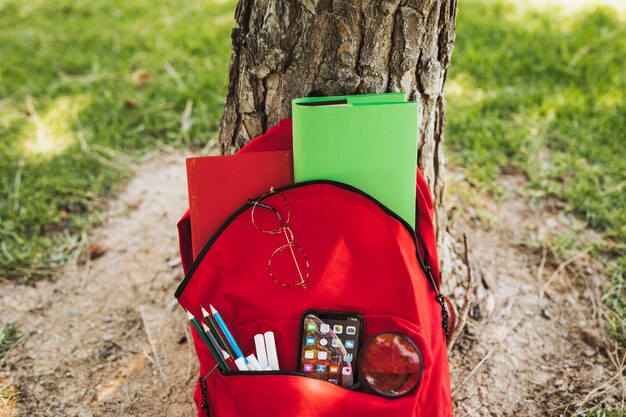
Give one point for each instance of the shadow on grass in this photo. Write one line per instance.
(542, 93)
(85, 88)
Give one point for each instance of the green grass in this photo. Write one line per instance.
(7, 397)
(615, 300)
(536, 92)
(603, 410)
(71, 117)
(542, 93)
(8, 336)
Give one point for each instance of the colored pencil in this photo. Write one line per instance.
(229, 361)
(213, 326)
(217, 355)
(227, 334)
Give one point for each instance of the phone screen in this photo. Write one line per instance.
(330, 342)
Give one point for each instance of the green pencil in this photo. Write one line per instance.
(215, 350)
(213, 326)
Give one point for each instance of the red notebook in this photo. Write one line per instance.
(219, 185)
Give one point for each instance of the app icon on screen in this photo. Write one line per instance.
(325, 328)
(349, 344)
(338, 328)
(333, 369)
(350, 330)
(311, 327)
(310, 341)
(333, 381)
(308, 367)
(347, 357)
(322, 355)
(336, 343)
(309, 354)
(346, 370)
(323, 342)
(320, 368)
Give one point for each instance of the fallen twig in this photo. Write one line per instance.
(151, 342)
(486, 357)
(185, 123)
(620, 367)
(16, 186)
(189, 353)
(471, 411)
(171, 71)
(602, 391)
(81, 247)
(542, 264)
(607, 389)
(469, 291)
(560, 268)
(85, 275)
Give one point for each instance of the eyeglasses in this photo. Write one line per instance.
(389, 365)
(273, 219)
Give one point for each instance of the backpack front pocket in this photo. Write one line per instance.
(289, 393)
(362, 259)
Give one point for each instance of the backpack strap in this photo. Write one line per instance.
(277, 138)
(427, 243)
(184, 241)
(424, 224)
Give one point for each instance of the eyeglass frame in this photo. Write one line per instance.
(286, 230)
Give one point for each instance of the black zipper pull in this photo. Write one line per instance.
(431, 278)
(444, 313)
(205, 396)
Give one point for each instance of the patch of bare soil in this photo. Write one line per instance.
(106, 338)
(534, 343)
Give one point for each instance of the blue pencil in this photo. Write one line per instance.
(229, 336)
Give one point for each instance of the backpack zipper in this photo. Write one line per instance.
(414, 235)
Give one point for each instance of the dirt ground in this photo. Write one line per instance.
(107, 338)
(535, 342)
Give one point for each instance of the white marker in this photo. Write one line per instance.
(261, 354)
(241, 364)
(255, 364)
(270, 347)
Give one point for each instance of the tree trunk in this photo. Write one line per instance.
(282, 50)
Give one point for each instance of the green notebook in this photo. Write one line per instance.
(368, 141)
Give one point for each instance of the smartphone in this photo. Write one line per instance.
(330, 342)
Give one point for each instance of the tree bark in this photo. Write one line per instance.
(286, 49)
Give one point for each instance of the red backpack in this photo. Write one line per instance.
(363, 258)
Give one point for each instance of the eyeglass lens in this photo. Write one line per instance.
(272, 214)
(390, 364)
(288, 265)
